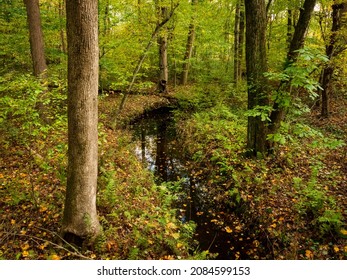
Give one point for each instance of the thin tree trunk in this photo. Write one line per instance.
(237, 42)
(162, 44)
(189, 47)
(289, 27)
(80, 221)
(62, 29)
(239, 30)
(144, 55)
(36, 37)
(241, 39)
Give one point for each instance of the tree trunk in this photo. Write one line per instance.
(289, 27)
(62, 29)
(297, 42)
(332, 50)
(237, 42)
(300, 30)
(189, 47)
(239, 31)
(241, 39)
(80, 221)
(162, 43)
(35, 37)
(139, 64)
(256, 64)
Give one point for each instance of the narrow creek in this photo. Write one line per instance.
(160, 151)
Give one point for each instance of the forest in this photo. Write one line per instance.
(173, 130)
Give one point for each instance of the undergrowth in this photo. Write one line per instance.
(285, 203)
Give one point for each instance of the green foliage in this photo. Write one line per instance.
(260, 111)
(317, 205)
(330, 222)
(297, 76)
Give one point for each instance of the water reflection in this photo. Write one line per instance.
(156, 145)
(160, 152)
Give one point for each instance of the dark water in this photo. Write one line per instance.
(159, 150)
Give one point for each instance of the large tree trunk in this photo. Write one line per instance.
(189, 47)
(35, 37)
(80, 220)
(256, 67)
(332, 50)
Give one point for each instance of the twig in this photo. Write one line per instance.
(77, 254)
(214, 238)
(57, 235)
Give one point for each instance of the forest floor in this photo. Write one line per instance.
(32, 197)
(32, 188)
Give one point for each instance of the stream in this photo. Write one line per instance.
(160, 151)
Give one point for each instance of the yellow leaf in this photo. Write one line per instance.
(343, 232)
(179, 245)
(308, 254)
(25, 253)
(228, 229)
(54, 257)
(171, 226)
(336, 249)
(238, 228)
(13, 221)
(25, 247)
(43, 209)
(168, 257)
(175, 235)
(345, 249)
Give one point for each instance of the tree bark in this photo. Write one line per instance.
(36, 37)
(297, 42)
(241, 39)
(62, 29)
(239, 31)
(256, 64)
(80, 221)
(332, 50)
(237, 42)
(300, 30)
(162, 43)
(189, 47)
(289, 26)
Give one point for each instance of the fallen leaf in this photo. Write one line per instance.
(228, 229)
(309, 254)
